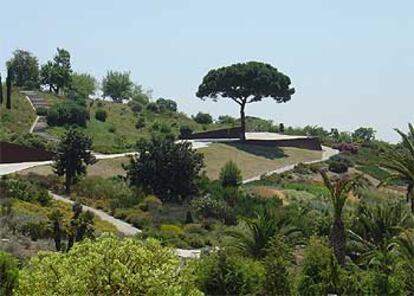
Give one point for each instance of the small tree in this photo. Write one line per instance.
(56, 219)
(83, 85)
(117, 85)
(364, 134)
(165, 168)
(230, 175)
(246, 83)
(57, 74)
(72, 156)
(8, 274)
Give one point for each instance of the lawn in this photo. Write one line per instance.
(17, 120)
(253, 160)
(104, 168)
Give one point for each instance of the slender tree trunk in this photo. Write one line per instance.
(57, 236)
(243, 123)
(8, 92)
(68, 183)
(337, 239)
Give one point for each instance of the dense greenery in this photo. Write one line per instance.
(67, 113)
(8, 274)
(57, 74)
(24, 69)
(165, 168)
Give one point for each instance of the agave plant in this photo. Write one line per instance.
(400, 162)
(339, 190)
(255, 234)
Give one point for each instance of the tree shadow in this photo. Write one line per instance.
(269, 152)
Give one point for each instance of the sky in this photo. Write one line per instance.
(351, 62)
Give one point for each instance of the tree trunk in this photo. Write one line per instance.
(57, 236)
(337, 239)
(243, 123)
(68, 183)
(8, 92)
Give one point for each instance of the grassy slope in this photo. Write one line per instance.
(17, 120)
(118, 133)
(253, 160)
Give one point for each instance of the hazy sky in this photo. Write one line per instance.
(351, 62)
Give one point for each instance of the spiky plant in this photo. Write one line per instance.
(339, 190)
(400, 162)
(254, 236)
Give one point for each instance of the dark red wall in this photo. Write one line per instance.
(10, 153)
(304, 143)
(233, 132)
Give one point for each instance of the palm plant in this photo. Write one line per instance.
(339, 190)
(254, 237)
(400, 162)
(376, 230)
(406, 248)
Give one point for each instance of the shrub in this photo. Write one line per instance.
(203, 118)
(166, 105)
(140, 123)
(230, 175)
(339, 164)
(101, 115)
(185, 132)
(112, 129)
(108, 266)
(8, 274)
(153, 107)
(171, 229)
(208, 207)
(346, 147)
(135, 106)
(153, 203)
(67, 113)
(225, 274)
(41, 111)
(139, 219)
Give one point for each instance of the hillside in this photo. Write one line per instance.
(19, 119)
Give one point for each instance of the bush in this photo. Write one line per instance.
(153, 107)
(203, 118)
(8, 274)
(101, 115)
(208, 207)
(185, 132)
(139, 219)
(339, 164)
(153, 203)
(346, 147)
(112, 129)
(135, 106)
(166, 105)
(225, 274)
(140, 123)
(25, 190)
(171, 229)
(41, 111)
(67, 113)
(230, 175)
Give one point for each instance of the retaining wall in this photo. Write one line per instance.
(11, 153)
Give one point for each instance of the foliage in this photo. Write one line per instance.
(230, 175)
(101, 115)
(166, 105)
(153, 107)
(364, 134)
(83, 85)
(254, 237)
(165, 168)
(140, 123)
(117, 85)
(57, 74)
(24, 69)
(225, 274)
(276, 264)
(73, 154)
(346, 147)
(24, 190)
(8, 274)
(320, 272)
(400, 162)
(339, 164)
(67, 113)
(185, 132)
(203, 118)
(108, 266)
(246, 83)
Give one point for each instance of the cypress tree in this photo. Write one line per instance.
(1, 91)
(8, 92)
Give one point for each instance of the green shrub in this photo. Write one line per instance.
(153, 203)
(8, 274)
(67, 113)
(226, 274)
(339, 164)
(140, 123)
(153, 107)
(112, 129)
(171, 229)
(135, 106)
(230, 175)
(208, 207)
(139, 219)
(101, 115)
(185, 132)
(203, 118)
